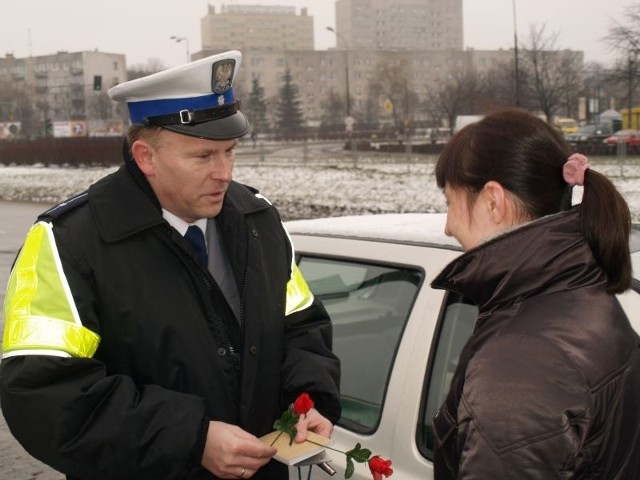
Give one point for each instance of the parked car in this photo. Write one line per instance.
(566, 125)
(397, 338)
(624, 142)
(589, 134)
(630, 137)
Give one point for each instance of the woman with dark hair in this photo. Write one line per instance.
(548, 385)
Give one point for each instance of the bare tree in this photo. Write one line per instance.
(16, 106)
(553, 74)
(390, 84)
(153, 65)
(101, 106)
(333, 111)
(456, 96)
(497, 87)
(624, 40)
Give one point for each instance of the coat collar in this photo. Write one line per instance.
(546, 255)
(124, 204)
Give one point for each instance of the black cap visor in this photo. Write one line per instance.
(232, 126)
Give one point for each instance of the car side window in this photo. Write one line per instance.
(455, 328)
(369, 305)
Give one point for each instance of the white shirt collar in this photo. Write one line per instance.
(180, 225)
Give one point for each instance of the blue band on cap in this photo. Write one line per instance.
(138, 111)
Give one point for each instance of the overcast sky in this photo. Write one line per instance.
(141, 29)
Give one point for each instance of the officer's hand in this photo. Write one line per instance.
(315, 422)
(230, 452)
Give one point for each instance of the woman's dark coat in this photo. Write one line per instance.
(548, 386)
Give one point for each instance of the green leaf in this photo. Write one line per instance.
(350, 468)
(359, 454)
(286, 423)
(362, 456)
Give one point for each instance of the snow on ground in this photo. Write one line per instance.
(320, 186)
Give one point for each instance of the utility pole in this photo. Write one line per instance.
(515, 50)
(346, 67)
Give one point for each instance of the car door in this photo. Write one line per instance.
(398, 341)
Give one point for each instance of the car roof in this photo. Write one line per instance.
(410, 228)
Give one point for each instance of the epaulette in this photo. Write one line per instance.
(63, 207)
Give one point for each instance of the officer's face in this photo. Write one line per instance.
(189, 175)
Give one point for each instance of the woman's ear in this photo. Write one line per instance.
(498, 203)
(143, 154)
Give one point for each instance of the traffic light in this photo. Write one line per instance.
(97, 83)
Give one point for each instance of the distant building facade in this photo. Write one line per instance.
(399, 24)
(421, 39)
(321, 73)
(67, 88)
(257, 26)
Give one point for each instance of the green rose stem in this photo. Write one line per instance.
(276, 439)
(359, 454)
(286, 424)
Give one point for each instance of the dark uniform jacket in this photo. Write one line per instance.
(172, 356)
(548, 386)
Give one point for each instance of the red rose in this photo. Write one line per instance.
(380, 467)
(302, 404)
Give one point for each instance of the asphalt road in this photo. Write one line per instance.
(15, 220)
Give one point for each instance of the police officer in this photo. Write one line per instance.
(157, 323)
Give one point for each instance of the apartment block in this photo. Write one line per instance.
(257, 26)
(399, 24)
(61, 87)
(350, 74)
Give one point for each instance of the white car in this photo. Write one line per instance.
(397, 338)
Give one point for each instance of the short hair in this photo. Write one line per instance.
(146, 133)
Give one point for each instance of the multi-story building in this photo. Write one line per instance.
(383, 63)
(419, 39)
(61, 87)
(399, 24)
(257, 26)
(319, 74)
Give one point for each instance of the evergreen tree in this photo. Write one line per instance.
(256, 108)
(289, 116)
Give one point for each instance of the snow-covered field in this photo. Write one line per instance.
(319, 185)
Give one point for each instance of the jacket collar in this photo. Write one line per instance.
(124, 204)
(543, 256)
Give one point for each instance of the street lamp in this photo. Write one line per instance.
(515, 50)
(346, 67)
(186, 41)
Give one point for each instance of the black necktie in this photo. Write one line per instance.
(196, 238)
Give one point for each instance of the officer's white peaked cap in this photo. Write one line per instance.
(194, 99)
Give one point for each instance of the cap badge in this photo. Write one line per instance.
(222, 75)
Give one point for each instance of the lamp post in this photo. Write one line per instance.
(515, 50)
(186, 41)
(346, 67)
